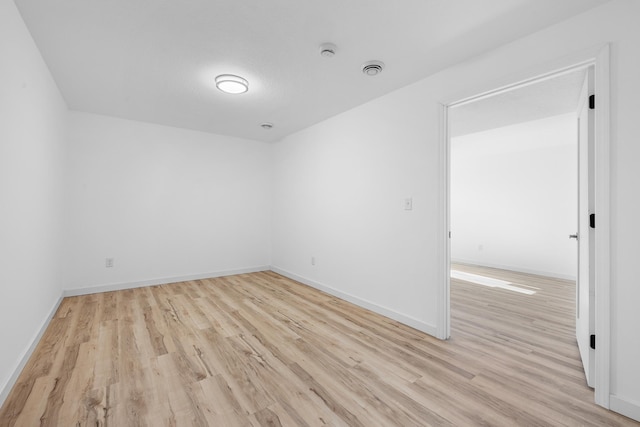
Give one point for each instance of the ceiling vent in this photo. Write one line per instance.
(372, 68)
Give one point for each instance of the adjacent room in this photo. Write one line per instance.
(218, 213)
(514, 190)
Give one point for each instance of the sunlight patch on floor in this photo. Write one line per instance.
(490, 282)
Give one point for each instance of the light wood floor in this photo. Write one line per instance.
(262, 350)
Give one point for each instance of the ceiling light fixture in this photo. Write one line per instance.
(372, 68)
(228, 83)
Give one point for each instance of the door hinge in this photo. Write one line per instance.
(592, 102)
(592, 344)
(592, 220)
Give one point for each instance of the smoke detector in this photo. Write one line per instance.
(328, 50)
(372, 68)
(266, 126)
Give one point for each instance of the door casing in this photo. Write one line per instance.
(599, 58)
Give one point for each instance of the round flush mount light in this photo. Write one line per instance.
(372, 68)
(229, 83)
(266, 126)
(328, 50)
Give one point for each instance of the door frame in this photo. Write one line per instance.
(600, 59)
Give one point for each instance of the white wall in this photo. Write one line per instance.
(165, 203)
(339, 197)
(514, 197)
(32, 127)
(339, 185)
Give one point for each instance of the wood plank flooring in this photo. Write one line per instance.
(262, 350)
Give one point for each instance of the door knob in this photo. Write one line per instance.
(573, 236)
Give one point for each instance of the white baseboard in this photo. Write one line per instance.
(402, 318)
(624, 407)
(512, 268)
(10, 382)
(158, 281)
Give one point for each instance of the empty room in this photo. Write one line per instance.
(220, 213)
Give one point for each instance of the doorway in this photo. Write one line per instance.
(514, 203)
(600, 153)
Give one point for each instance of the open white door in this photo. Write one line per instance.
(585, 284)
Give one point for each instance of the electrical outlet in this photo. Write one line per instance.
(108, 262)
(408, 203)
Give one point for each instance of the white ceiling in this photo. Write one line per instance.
(156, 60)
(550, 97)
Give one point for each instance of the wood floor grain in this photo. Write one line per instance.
(262, 350)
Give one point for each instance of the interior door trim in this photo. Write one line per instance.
(600, 59)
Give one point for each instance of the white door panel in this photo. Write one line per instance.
(585, 294)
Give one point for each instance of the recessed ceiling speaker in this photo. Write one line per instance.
(372, 68)
(328, 50)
